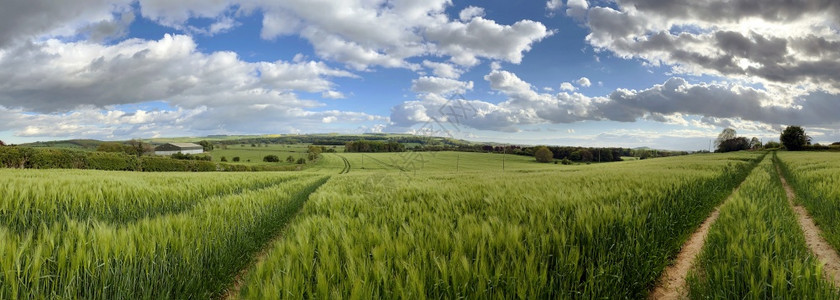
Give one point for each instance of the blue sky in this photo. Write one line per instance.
(630, 73)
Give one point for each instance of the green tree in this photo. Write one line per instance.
(236, 158)
(725, 135)
(543, 154)
(314, 152)
(224, 159)
(301, 161)
(290, 159)
(206, 145)
(794, 138)
(271, 158)
(139, 147)
(2, 144)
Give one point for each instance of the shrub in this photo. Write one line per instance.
(236, 158)
(224, 159)
(301, 161)
(543, 155)
(271, 158)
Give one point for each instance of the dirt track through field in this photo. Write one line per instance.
(813, 236)
(232, 292)
(672, 284)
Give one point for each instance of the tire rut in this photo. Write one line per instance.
(672, 283)
(232, 291)
(824, 252)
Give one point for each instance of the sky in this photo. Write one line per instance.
(629, 73)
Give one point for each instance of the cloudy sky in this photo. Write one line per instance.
(659, 73)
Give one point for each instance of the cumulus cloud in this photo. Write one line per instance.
(577, 9)
(781, 44)
(583, 82)
(108, 29)
(21, 20)
(55, 76)
(83, 82)
(470, 12)
(332, 95)
(443, 69)
(567, 86)
(553, 5)
(440, 86)
(370, 33)
(675, 102)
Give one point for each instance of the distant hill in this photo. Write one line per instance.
(81, 144)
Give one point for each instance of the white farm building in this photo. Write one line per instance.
(183, 148)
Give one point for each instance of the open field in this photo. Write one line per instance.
(418, 225)
(254, 155)
(606, 231)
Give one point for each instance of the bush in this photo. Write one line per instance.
(271, 158)
(224, 159)
(301, 161)
(236, 158)
(543, 155)
(290, 159)
(566, 161)
(188, 156)
(113, 161)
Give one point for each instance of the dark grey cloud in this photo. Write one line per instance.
(20, 20)
(734, 11)
(793, 44)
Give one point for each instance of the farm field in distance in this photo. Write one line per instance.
(420, 225)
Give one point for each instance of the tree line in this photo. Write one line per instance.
(373, 146)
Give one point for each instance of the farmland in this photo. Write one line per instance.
(419, 225)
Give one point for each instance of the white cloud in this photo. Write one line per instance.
(440, 86)
(566, 86)
(577, 9)
(362, 34)
(553, 5)
(465, 42)
(583, 82)
(80, 83)
(443, 69)
(332, 95)
(675, 102)
(135, 71)
(471, 12)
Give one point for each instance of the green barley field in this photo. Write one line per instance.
(416, 225)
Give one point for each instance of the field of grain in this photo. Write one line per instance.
(422, 225)
(111, 235)
(590, 231)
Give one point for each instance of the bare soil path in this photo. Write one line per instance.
(672, 284)
(813, 236)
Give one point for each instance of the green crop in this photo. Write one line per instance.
(815, 177)
(756, 249)
(188, 252)
(600, 231)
